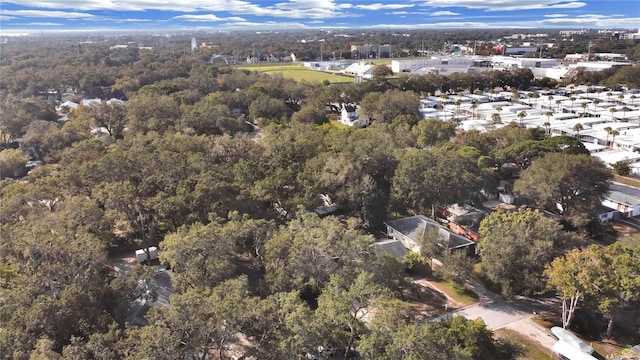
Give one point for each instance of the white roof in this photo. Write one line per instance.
(612, 157)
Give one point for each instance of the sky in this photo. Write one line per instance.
(23, 16)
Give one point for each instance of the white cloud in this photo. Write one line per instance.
(298, 9)
(379, 6)
(47, 14)
(133, 20)
(444, 13)
(206, 17)
(43, 24)
(507, 5)
(555, 15)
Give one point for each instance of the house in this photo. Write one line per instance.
(410, 230)
(350, 116)
(623, 199)
(465, 221)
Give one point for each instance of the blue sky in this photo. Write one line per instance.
(19, 16)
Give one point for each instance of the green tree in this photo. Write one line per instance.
(515, 247)
(572, 276)
(574, 184)
(456, 266)
(12, 163)
(305, 253)
(200, 256)
(622, 167)
(431, 132)
(430, 180)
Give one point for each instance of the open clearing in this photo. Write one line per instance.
(297, 72)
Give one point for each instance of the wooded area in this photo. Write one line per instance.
(221, 168)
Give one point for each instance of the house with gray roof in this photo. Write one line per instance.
(409, 232)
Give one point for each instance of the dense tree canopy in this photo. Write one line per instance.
(515, 247)
(574, 184)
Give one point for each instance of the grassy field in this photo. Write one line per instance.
(297, 72)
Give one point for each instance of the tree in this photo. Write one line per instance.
(474, 106)
(521, 116)
(200, 255)
(305, 253)
(584, 109)
(573, 276)
(387, 106)
(451, 338)
(612, 110)
(110, 116)
(343, 306)
(608, 129)
(622, 167)
(151, 112)
(573, 184)
(577, 127)
(614, 133)
(515, 247)
(12, 163)
(430, 180)
(311, 115)
(605, 277)
(624, 112)
(456, 266)
(431, 132)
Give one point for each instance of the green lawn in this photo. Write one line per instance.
(297, 72)
(458, 292)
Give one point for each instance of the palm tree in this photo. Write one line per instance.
(624, 111)
(577, 127)
(598, 92)
(474, 106)
(620, 98)
(609, 94)
(608, 130)
(572, 100)
(584, 108)
(595, 104)
(550, 98)
(612, 110)
(548, 114)
(633, 99)
(495, 118)
(546, 126)
(522, 115)
(536, 96)
(558, 102)
(457, 104)
(614, 133)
